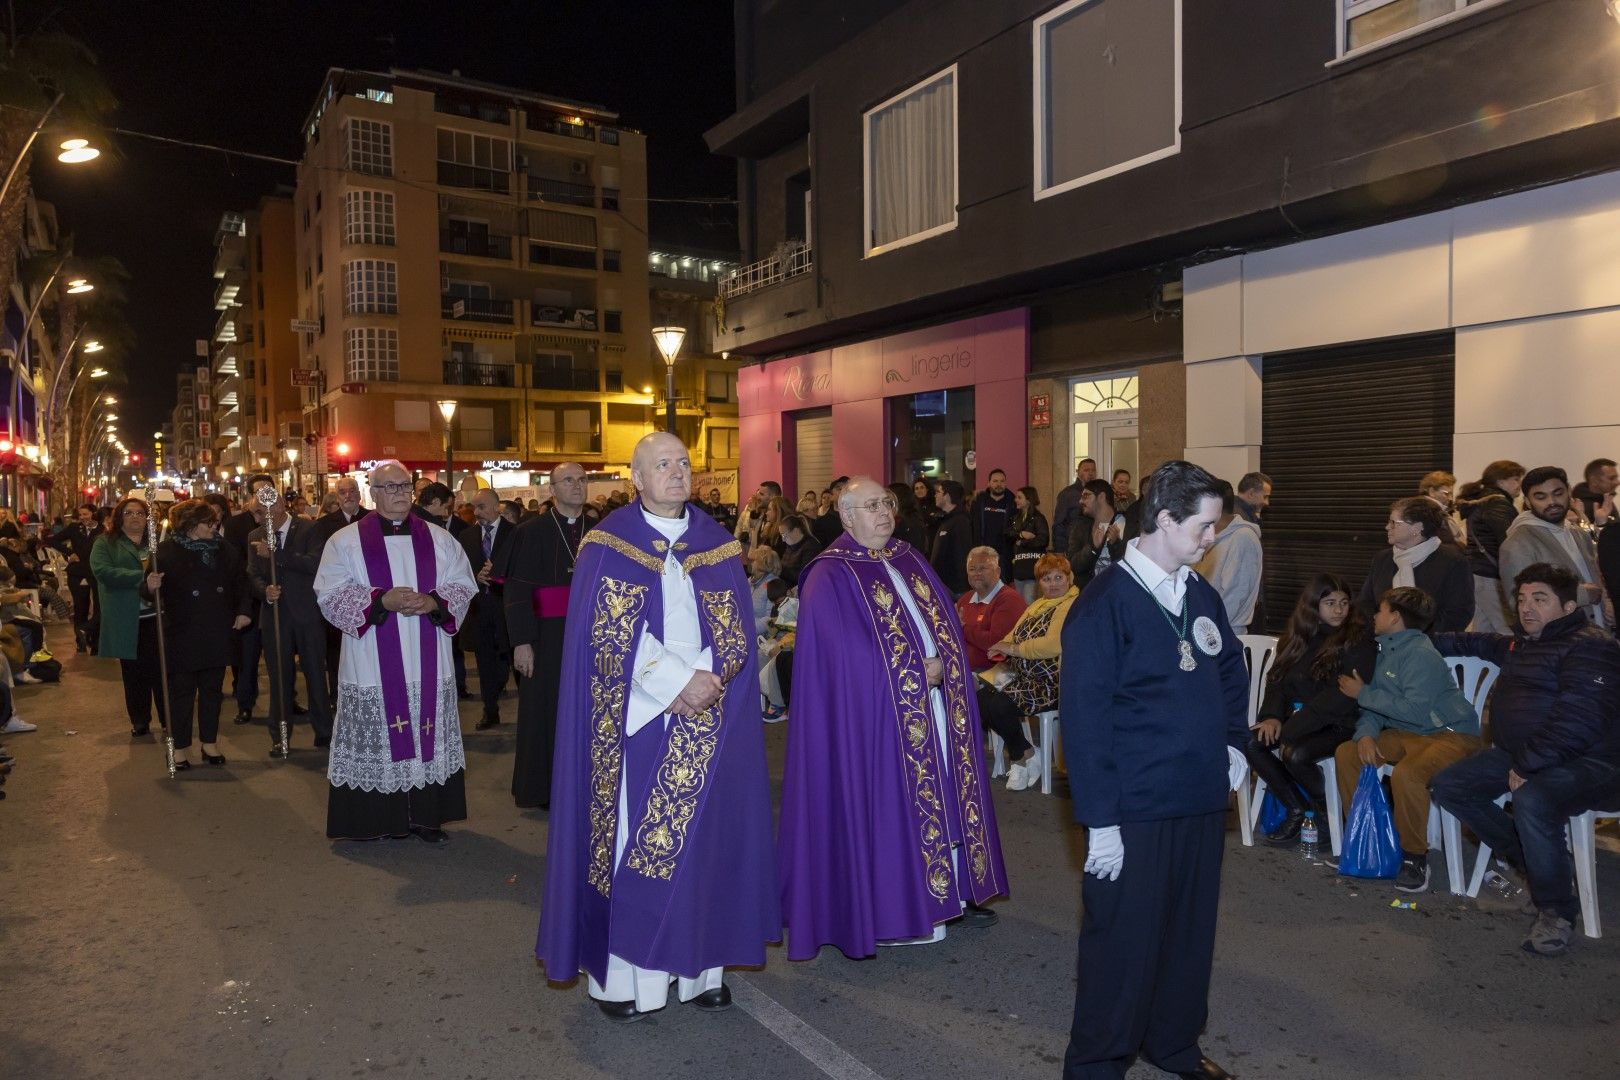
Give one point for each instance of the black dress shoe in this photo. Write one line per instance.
(463, 694)
(322, 741)
(140, 732)
(1207, 1070)
(430, 836)
(182, 766)
(979, 917)
(487, 722)
(1286, 834)
(620, 1012)
(299, 710)
(244, 716)
(716, 1000)
(277, 750)
(213, 759)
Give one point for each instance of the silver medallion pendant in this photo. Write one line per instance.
(1187, 661)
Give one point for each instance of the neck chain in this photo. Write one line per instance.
(1183, 642)
(569, 548)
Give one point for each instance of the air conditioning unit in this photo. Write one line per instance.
(579, 168)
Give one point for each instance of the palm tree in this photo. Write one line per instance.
(40, 71)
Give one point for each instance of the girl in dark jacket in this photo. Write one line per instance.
(1027, 537)
(922, 492)
(205, 597)
(1303, 716)
(1487, 511)
(909, 523)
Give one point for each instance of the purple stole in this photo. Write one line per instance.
(390, 658)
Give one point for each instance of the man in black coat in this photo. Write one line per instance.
(953, 537)
(301, 624)
(483, 631)
(993, 511)
(830, 526)
(1555, 729)
(349, 511)
(249, 642)
(74, 541)
(433, 505)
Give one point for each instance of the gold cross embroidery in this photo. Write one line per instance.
(427, 726)
(399, 724)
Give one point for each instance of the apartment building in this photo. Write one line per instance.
(467, 242)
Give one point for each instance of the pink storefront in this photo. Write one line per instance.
(947, 401)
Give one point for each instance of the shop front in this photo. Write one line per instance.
(946, 401)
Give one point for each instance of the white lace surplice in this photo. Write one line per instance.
(360, 756)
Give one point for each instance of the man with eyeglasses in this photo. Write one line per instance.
(397, 588)
(658, 856)
(887, 831)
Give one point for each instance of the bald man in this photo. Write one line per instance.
(484, 634)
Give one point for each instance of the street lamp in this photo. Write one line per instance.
(668, 339)
(79, 151)
(447, 409)
(292, 458)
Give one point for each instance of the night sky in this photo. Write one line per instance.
(245, 75)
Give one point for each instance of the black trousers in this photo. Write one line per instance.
(143, 686)
(1001, 714)
(83, 592)
(494, 666)
(202, 689)
(1147, 942)
(1295, 763)
(245, 672)
(308, 639)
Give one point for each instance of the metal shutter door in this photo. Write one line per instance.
(1345, 432)
(812, 446)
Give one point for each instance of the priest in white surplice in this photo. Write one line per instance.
(397, 588)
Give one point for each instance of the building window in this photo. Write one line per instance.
(371, 354)
(1104, 395)
(368, 217)
(258, 254)
(320, 261)
(369, 147)
(565, 431)
(371, 287)
(910, 164)
(613, 322)
(720, 386)
(1107, 89)
(474, 161)
(1367, 22)
(724, 444)
(258, 295)
(563, 371)
(610, 260)
(484, 427)
(317, 202)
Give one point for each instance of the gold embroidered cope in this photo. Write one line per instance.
(614, 612)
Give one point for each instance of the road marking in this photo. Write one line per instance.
(816, 1048)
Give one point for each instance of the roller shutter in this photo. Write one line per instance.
(812, 445)
(1346, 431)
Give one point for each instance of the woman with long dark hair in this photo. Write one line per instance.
(118, 560)
(1027, 537)
(909, 523)
(922, 489)
(1303, 716)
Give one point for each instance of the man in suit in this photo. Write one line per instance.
(249, 642)
(74, 542)
(349, 511)
(483, 541)
(301, 624)
(433, 506)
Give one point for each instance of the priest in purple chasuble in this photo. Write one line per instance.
(397, 588)
(659, 864)
(887, 830)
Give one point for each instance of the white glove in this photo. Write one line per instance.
(1237, 767)
(1105, 852)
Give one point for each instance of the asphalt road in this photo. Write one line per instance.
(205, 927)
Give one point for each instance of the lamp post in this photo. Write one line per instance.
(292, 458)
(447, 409)
(74, 151)
(668, 339)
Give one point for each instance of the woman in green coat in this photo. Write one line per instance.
(129, 623)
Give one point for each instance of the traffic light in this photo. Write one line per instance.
(135, 459)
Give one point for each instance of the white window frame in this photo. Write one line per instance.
(369, 217)
(371, 287)
(956, 163)
(1350, 9)
(377, 156)
(371, 354)
(473, 138)
(1038, 112)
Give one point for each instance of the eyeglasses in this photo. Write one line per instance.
(1392, 522)
(877, 505)
(392, 489)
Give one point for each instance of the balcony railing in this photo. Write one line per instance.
(561, 191)
(573, 318)
(482, 245)
(556, 126)
(478, 373)
(476, 309)
(785, 262)
(452, 174)
(557, 255)
(559, 378)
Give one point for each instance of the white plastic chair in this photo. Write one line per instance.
(1582, 833)
(1050, 733)
(1259, 650)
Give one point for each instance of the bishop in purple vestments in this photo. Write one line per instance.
(659, 865)
(887, 830)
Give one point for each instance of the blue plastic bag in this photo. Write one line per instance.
(1272, 813)
(1371, 848)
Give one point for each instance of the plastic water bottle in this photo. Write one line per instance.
(1309, 841)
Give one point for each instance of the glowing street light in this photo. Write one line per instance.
(93, 346)
(79, 286)
(77, 151)
(447, 409)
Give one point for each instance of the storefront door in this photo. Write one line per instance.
(933, 434)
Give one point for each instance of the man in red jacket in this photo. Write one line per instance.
(989, 609)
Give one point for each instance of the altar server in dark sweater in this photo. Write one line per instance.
(1154, 710)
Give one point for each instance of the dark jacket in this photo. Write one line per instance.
(953, 539)
(1557, 697)
(827, 528)
(1065, 516)
(1026, 553)
(1608, 552)
(296, 564)
(1488, 518)
(77, 540)
(912, 527)
(796, 557)
(486, 611)
(991, 516)
(200, 603)
(1321, 703)
(1445, 576)
(327, 525)
(1083, 553)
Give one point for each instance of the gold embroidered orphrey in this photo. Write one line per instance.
(688, 752)
(909, 691)
(731, 549)
(964, 739)
(614, 612)
(623, 547)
